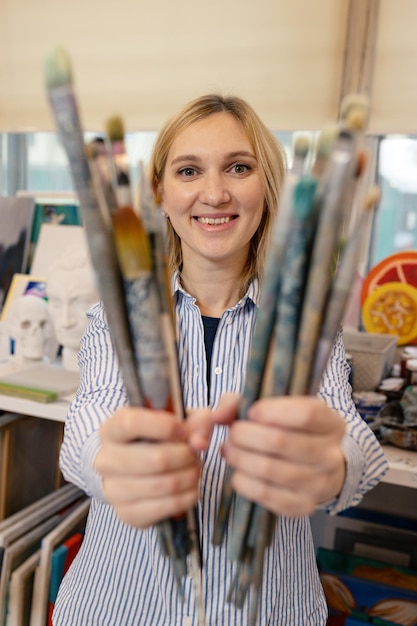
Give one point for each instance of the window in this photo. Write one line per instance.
(395, 223)
(37, 162)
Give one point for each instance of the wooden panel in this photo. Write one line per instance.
(144, 59)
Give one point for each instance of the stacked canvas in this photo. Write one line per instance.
(29, 575)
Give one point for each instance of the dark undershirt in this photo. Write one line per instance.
(210, 327)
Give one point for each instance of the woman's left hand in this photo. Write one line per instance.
(287, 455)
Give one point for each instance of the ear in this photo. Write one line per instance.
(157, 191)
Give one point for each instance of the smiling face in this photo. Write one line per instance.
(211, 191)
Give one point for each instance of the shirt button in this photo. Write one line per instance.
(229, 321)
(218, 370)
(187, 621)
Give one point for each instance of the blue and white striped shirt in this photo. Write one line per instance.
(120, 577)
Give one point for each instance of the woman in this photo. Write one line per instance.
(217, 171)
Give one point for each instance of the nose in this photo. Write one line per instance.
(215, 190)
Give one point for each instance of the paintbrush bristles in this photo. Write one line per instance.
(301, 149)
(115, 129)
(119, 160)
(132, 244)
(57, 69)
(354, 112)
(301, 145)
(324, 146)
(325, 141)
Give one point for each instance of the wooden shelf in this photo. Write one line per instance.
(56, 411)
(57, 379)
(403, 467)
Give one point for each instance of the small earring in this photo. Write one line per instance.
(164, 213)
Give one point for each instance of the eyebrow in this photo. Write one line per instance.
(229, 155)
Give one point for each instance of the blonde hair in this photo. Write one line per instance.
(271, 161)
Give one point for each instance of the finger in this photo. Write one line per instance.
(281, 501)
(200, 422)
(199, 425)
(227, 409)
(130, 424)
(296, 446)
(128, 490)
(281, 472)
(142, 458)
(143, 514)
(309, 414)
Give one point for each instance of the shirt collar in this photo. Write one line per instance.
(251, 294)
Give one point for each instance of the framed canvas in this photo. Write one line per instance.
(50, 208)
(21, 522)
(21, 591)
(66, 528)
(16, 220)
(27, 544)
(20, 285)
(53, 240)
(16, 553)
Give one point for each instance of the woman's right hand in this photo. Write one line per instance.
(149, 471)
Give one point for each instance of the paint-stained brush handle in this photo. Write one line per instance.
(58, 76)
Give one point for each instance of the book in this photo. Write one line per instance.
(42, 382)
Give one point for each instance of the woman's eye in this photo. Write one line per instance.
(240, 168)
(187, 172)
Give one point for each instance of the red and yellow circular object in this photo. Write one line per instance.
(400, 267)
(391, 308)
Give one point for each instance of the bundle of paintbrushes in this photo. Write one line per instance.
(129, 263)
(308, 278)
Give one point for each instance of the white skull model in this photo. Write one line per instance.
(30, 327)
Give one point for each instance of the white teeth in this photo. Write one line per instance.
(213, 221)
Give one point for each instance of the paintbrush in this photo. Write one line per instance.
(143, 306)
(296, 260)
(58, 77)
(119, 160)
(136, 263)
(257, 370)
(289, 249)
(323, 150)
(340, 291)
(343, 169)
(247, 542)
(88, 184)
(141, 251)
(98, 160)
(152, 218)
(263, 333)
(252, 525)
(245, 512)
